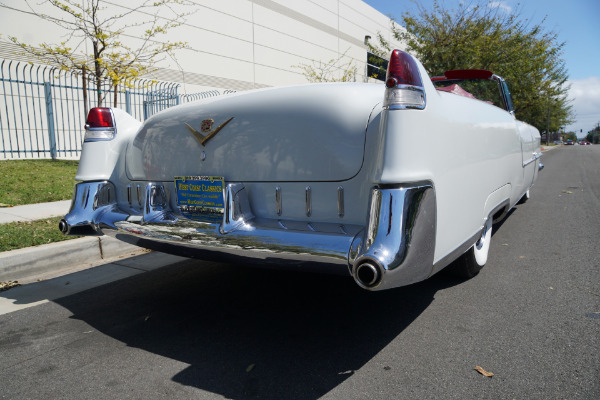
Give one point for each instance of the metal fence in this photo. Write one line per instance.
(158, 100)
(42, 109)
(161, 99)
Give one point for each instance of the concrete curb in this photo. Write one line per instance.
(549, 148)
(39, 260)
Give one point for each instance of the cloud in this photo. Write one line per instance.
(585, 96)
(501, 5)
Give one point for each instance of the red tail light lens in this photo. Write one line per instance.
(100, 117)
(100, 125)
(402, 70)
(403, 81)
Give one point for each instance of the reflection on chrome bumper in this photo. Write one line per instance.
(394, 248)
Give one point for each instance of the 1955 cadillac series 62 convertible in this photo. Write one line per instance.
(388, 184)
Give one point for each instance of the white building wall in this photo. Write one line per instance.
(234, 44)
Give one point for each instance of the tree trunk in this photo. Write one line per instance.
(115, 94)
(98, 73)
(99, 91)
(84, 88)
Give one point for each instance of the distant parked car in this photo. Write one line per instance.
(558, 142)
(584, 143)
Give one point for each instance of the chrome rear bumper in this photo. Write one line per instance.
(394, 248)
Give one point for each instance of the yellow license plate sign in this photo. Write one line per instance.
(201, 197)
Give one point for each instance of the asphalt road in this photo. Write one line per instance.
(207, 330)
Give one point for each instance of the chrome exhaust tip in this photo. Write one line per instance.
(77, 230)
(63, 226)
(367, 274)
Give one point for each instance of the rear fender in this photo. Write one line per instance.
(497, 204)
(100, 158)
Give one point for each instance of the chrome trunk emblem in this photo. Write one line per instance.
(205, 127)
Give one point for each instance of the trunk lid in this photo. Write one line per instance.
(300, 133)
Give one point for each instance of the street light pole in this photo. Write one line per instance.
(548, 126)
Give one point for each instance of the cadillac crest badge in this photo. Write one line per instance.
(206, 127)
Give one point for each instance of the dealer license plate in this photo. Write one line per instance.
(201, 197)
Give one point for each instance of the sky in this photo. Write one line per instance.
(577, 24)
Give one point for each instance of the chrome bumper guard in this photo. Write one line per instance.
(395, 249)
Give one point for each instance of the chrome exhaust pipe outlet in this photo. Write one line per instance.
(367, 274)
(63, 226)
(85, 229)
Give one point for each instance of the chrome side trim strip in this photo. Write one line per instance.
(340, 201)
(129, 195)
(535, 156)
(526, 163)
(278, 209)
(308, 195)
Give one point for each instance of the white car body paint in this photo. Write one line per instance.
(317, 140)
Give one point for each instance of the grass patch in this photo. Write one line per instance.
(18, 235)
(36, 181)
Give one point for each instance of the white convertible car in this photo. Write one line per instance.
(388, 184)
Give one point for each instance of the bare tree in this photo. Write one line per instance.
(89, 22)
(334, 70)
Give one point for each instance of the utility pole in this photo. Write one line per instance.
(548, 126)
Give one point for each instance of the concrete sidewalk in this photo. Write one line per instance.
(32, 212)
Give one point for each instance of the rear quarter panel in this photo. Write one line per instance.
(469, 149)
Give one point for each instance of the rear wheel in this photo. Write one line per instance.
(469, 264)
(524, 199)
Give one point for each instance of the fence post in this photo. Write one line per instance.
(146, 106)
(128, 102)
(50, 118)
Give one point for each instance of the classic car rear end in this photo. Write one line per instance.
(355, 179)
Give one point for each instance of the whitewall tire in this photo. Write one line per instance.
(469, 264)
(524, 199)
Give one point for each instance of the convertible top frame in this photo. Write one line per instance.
(455, 76)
